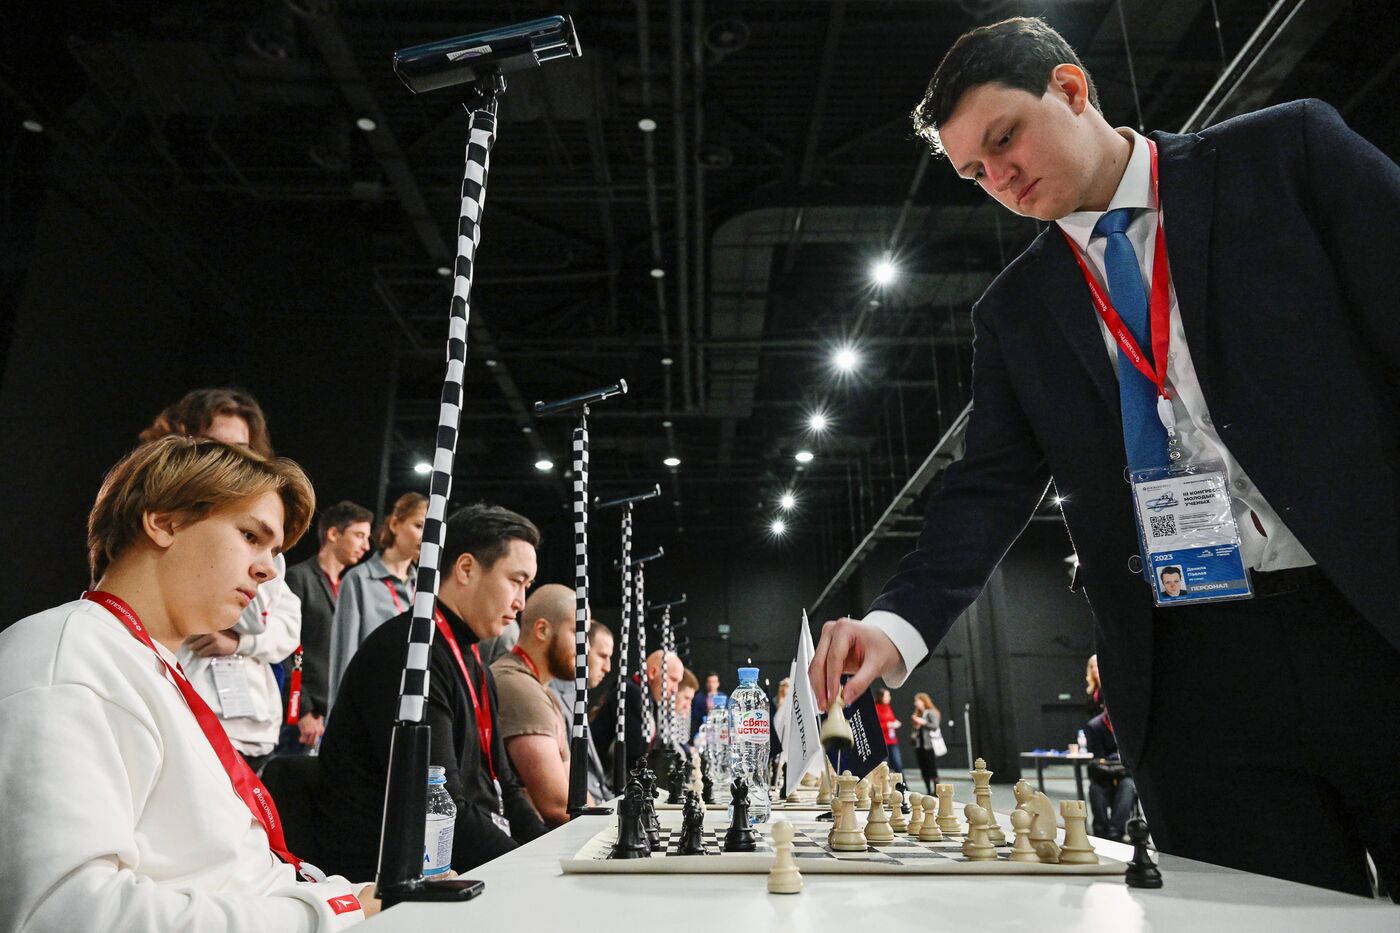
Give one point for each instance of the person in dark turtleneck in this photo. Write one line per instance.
(488, 563)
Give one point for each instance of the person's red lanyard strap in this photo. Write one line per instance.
(245, 782)
(334, 584)
(294, 689)
(480, 707)
(515, 650)
(1159, 306)
(394, 594)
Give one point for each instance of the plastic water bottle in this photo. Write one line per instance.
(442, 822)
(717, 744)
(1083, 743)
(748, 740)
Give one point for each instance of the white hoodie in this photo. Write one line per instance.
(117, 813)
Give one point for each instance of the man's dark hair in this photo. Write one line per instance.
(1166, 570)
(597, 628)
(341, 516)
(1019, 53)
(485, 532)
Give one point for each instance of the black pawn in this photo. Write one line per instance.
(1141, 873)
(675, 778)
(904, 806)
(631, 835)
(740, 837)
(707, 787)
(692, 840)
(650, 821)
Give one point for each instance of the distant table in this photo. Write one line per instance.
(1060, 758)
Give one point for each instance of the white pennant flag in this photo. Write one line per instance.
(802, 744)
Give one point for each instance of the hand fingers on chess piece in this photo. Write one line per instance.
(848, 646)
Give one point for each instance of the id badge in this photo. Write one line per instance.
(499, 817)
(1190, 541)
(231, 683)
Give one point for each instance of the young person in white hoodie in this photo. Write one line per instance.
(126, 806)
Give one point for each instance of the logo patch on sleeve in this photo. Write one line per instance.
(344, 904)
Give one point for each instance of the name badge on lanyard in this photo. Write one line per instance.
(1186, 529)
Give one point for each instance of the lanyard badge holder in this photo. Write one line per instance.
(1187, 533)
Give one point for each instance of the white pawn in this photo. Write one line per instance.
(916, 815)
(1022, 850)
(976, 846)
(929, 830)
(877, 827)
(1076, 849)
(863, 793)
(783, 878)
(898, 822)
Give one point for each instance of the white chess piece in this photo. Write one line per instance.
(824, 788)
(845, 834)
(916, 814)
(1076, 849)
(947, 819)
(898, 822)
(982, 796)
(975, 846)
(863, 793)
(928, 830)
(1021, 849)
(877, 828)
(784, 878)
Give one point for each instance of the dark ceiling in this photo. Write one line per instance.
(780, 168)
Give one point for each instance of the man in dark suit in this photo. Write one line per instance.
(345, 530)
(1283, 363)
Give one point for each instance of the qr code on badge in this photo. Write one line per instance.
(1163, 526)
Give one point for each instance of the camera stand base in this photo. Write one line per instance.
(449, 889)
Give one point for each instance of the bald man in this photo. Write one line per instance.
(531, 725)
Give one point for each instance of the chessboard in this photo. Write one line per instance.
(903, 856)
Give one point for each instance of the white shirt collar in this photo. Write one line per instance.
(1134, 190)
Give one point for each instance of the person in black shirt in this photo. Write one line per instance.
(488, 564)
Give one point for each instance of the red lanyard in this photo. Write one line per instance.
(335, 584)
(482, 708)
(294, 690)
(1160, 305)
(515, 649)
(245, 782)
(394, 594)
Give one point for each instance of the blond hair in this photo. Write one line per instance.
(193, 479)
(405, 507)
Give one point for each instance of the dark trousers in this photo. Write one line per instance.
(1273, 742)
(928, 766)
(1112, 805)
(895, 759)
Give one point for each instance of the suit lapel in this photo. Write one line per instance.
(1187, 175)
(1068, 302)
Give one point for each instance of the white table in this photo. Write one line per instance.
(526, 892)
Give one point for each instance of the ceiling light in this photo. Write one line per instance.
(778, 527)
(666, 361)
(884, 272)
(543, 465)
(366, 124)
(646, 125)
(33, 126)
(672, 462)
(491, 364)
(527, 430)
(657, 272)
(666, 424)
(1058, 500)
(787, 502)
(817, 421)
(845, 359)
(422, 466)
(444, 271)
(803, 456)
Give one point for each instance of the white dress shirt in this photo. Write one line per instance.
(1265, 542)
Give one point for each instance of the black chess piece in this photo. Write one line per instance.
(692, 840)
(707, 787)
(1142, 872)
(675, 777)
(631, 833)
(740, 837)
(650, 822)
(904, 806)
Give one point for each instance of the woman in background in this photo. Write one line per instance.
(927, 724)
(889, 725)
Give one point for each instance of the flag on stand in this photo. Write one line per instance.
(802, 745)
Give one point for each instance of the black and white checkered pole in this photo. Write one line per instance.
(668, 706)
(405, 801)
(625, 565)
(578, 748)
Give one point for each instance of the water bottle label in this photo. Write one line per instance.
(753, 727)
(437, 846)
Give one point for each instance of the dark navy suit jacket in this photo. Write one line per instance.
(1283, 237)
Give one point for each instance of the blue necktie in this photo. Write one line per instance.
(1144, 437)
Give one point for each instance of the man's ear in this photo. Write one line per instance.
(1072, 85)
(463, 568)
(160, 528)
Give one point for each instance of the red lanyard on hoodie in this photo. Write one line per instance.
(245, 782)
